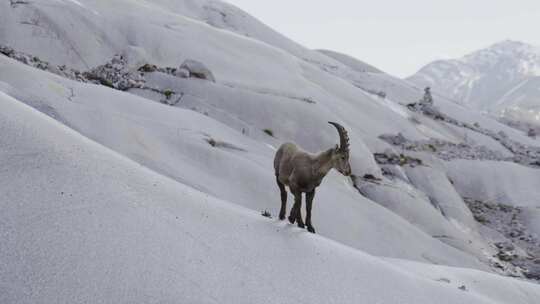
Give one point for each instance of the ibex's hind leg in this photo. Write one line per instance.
(283, 209)
(296, 211)
(309, 204)
(292, 215)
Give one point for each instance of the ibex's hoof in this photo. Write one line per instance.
(282, 217)
(292, 219)
(311, 229)
(301, 225)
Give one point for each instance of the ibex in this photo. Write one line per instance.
(303, 172)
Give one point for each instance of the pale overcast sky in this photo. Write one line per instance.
(400, 36)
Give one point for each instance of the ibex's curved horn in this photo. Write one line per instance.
(343, 136)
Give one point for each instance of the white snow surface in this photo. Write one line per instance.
(501, 182)
(93, 226)
(113, 197)
(351, 62)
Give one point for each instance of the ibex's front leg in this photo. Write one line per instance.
(283, 209)
(309, 204)
(296, 211)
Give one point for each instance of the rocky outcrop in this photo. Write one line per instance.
(37, 63)
(116, 74)
(389, 158)
(196, 69)
(445, 150)
(523, 154)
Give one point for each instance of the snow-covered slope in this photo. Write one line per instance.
(173, 142)
(93, 226)
(355, 64)
(501, 77)
(212, 141)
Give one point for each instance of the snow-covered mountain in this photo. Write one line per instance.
(502, 79)
(126, 178)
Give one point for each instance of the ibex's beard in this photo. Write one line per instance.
(346, 172)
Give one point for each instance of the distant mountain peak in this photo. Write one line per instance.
(513, 49)
(509, 43)
(485, 78)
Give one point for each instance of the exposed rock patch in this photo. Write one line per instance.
(37, 63)
(522, 248)
(523, 154)
(225, 145)
(117, 74)
(445, 150)
(389, 158)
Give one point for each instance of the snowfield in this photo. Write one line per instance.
(154, 194)
(93, 226)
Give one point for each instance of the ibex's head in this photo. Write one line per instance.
(341, 153)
